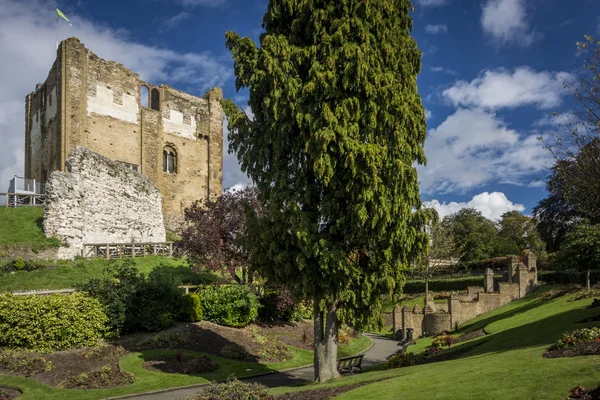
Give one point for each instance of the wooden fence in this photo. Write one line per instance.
(128, 250)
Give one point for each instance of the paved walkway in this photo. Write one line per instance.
(378, 353)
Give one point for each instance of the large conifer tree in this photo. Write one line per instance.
(337, 130)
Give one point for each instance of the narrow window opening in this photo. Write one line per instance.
(155, 99)
(169, 161)
(144, 96)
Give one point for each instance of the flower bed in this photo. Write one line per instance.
(585, 341)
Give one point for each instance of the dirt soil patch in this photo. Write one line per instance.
(323, 394)
(264, 342)
(471, 335)
(181, 364)
(92, 367)
(578, 349)
(8, 394)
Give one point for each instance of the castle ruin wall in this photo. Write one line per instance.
(101, 201)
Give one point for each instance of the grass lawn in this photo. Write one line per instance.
(23, 227)
(507, 364)
(68, 274)
(146, 380)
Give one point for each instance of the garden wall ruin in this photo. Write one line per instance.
(518, 279)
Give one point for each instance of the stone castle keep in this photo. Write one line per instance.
(173, 139)
(518, 280)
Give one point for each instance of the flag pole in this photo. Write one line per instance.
(56, 31)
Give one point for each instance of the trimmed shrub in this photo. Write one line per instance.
(401, 360)
(442, 285)
(53, 322)
(568, 276)
(230, 305)
(235, 389)
(192, 309)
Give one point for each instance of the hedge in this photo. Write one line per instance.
(53, 322)
(567, 277)
(443, 285)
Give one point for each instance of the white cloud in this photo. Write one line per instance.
(472, 148)
(501, 88)
(172, 22)
(431, 3)
(27, 39)
(444, 70)
(556, 120)
(435, 29)
(428, 114)
(506, 21)
(492, 205)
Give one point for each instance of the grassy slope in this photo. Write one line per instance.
(68, 274)
(150, 380)
(507, 365)
(22, 227)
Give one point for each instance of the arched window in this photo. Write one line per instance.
(144, 96)
(155, 99)
(169, 160)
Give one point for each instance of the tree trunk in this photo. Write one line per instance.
(588, 280)
(325, 343)
(427, 280)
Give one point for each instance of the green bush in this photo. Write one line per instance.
(192, 309)
(234, 351)
(401, 360)
(133, 301)
(234, 389)
(52, 322)
(116, 291)
(230, 305)
(158, 302)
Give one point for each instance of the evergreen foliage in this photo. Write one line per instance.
(337, 131)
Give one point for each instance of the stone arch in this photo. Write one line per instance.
(170, 160)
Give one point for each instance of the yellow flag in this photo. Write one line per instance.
(63, 16)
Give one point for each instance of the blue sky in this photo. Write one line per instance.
(493, 73)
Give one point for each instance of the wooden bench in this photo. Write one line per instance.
(350, 363)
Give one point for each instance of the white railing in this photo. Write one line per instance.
(25, 186)
(126, 250)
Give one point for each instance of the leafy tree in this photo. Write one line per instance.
(581, 248)
(444, 249)
(555, 216)
(516, 233)
(474, 231)
(213, 237)
(576, 146)
(338, 128)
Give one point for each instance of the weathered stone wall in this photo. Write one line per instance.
(518, 281)
(436, 322)
(101, 201)
(97, 104)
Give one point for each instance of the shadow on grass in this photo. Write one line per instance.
(544, 332)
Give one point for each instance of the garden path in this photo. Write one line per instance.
(378, 353)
